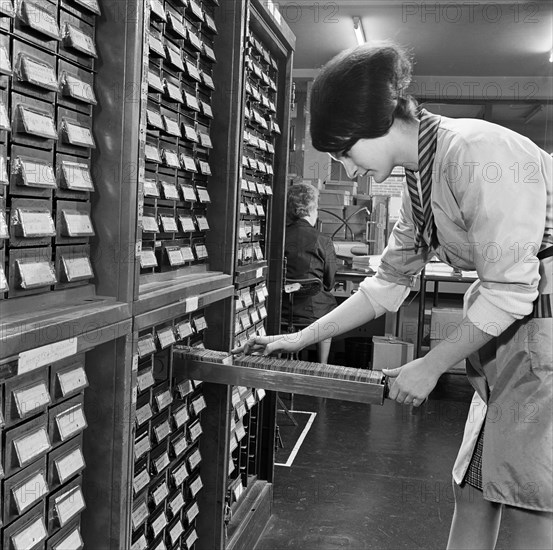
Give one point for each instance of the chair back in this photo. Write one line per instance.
(303, 287)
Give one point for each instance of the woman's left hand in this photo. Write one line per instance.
(412, 383)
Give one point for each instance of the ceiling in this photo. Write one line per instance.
(472, 58)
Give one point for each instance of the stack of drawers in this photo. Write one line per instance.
(167, 455)
(43, 422)
(177, 118)
(47, 62)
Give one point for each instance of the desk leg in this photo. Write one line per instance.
(422, 304)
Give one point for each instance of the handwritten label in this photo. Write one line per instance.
(179, 445)
(71, 421)
(139, 515)
(37, 73)
(195, 431)
(162, 431)
(80, 41)
(203, 225)
(208, 50)
(5, 65)
(145, 379)
(166, 337)
(172, 126)
(160, 494)
(194, 459)
(149, 224)
(175, 532)
(174, 255)
(191, 539)
(190, 133)
(161, 462)
(152, 153)
(31, 490)
(187, 223)
(140, 544)
(199, 404)
(193, 71)
(208, 81)
(176, 504)
(163, 399)
(180, 474)
(150, 188)
(176, 25)
(69, 505)
(77, 224)
(184, 330)
(80, 136)
(143, 414)
(78, 89)
(190, 165)
(156, 46)
(44, 355)
(191, 101)
(30, 536)
(203, 195)
(37, 123)
(72, 542)
(36, 173)
(76, 176)
(154, 81)
(40, 20)
(36, 223)
(187, 254)
(141, 446)
(192, 512)
(194, 40)
(206, 109)
(170, 189)
(31, 399)
(77, 268)
(180, 416)
(196, 486)
(159, 523)
(35, 274)
(68, 465)
(154, 119)
(175, 59)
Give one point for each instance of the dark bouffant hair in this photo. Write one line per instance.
(358, 94)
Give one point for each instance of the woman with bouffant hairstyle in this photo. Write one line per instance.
(480, 197)
(309, 255)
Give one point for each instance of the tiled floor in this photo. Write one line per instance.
(370, 477)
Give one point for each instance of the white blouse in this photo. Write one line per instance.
(493, 209)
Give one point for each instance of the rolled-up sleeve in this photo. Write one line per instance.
(503, 199)
(399, 267)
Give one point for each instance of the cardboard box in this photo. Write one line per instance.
(444, 321)
(390, 352)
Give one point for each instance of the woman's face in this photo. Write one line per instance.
(372, 157)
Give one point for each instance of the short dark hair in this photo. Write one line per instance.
(358, 94)
(301, 199)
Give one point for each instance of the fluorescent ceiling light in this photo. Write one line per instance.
(358, 30)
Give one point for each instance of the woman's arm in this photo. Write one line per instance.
(415, 380)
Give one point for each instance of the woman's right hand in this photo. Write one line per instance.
(266, 345)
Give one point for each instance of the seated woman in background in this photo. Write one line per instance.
(309, 254)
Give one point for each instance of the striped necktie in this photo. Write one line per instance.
(422, 210)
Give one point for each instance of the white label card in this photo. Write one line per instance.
(157, 7)
(192, 512)
(5, 64)
(156, 45)
(77, 224)
(199, 404)
(177, 25)
(141, 446)
(191, 101)
(150, 188)
(163, 399)
(161, 462)
(159, 523)
(191, 304)
(145, 379)
(194, 459)
(146, 345)
(174, 255)
(80, 41)
(187, 223)
(36, 173)
(76, 176)
(170, 190)
(4, 120)
(44, 355)
(78, 135)
(193, 71)
(207, 110)
(190, 165)
(140, 544)
(68, 465)
(154, 81)
(180, 416)
(184, 329)
(78, 89)
(69, 505)
(143, 414)
(175, 532)
(154, 119)
(172, 160)
(162, 431)
(179, 445)
(169, 224)
(203, 194)
(149, 224)
(37, 123)
(91, 5)
(40, 20)
(175, 58)
(191, 539)
(152, 153)
(160, 493)
(195, 486)
(31, 399)
(195, 431)
(38, 73)
(139, 515)
(71, 421)
(3, 288)
(190, 133)
(30, 536)
(73, 541)
(36, 223)
(77, 268)
(26, 494)
(180, 474)
(172, 126)
(166, 337)
(177, 504)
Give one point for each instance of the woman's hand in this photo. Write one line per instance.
(265, 345)
(413, 382)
